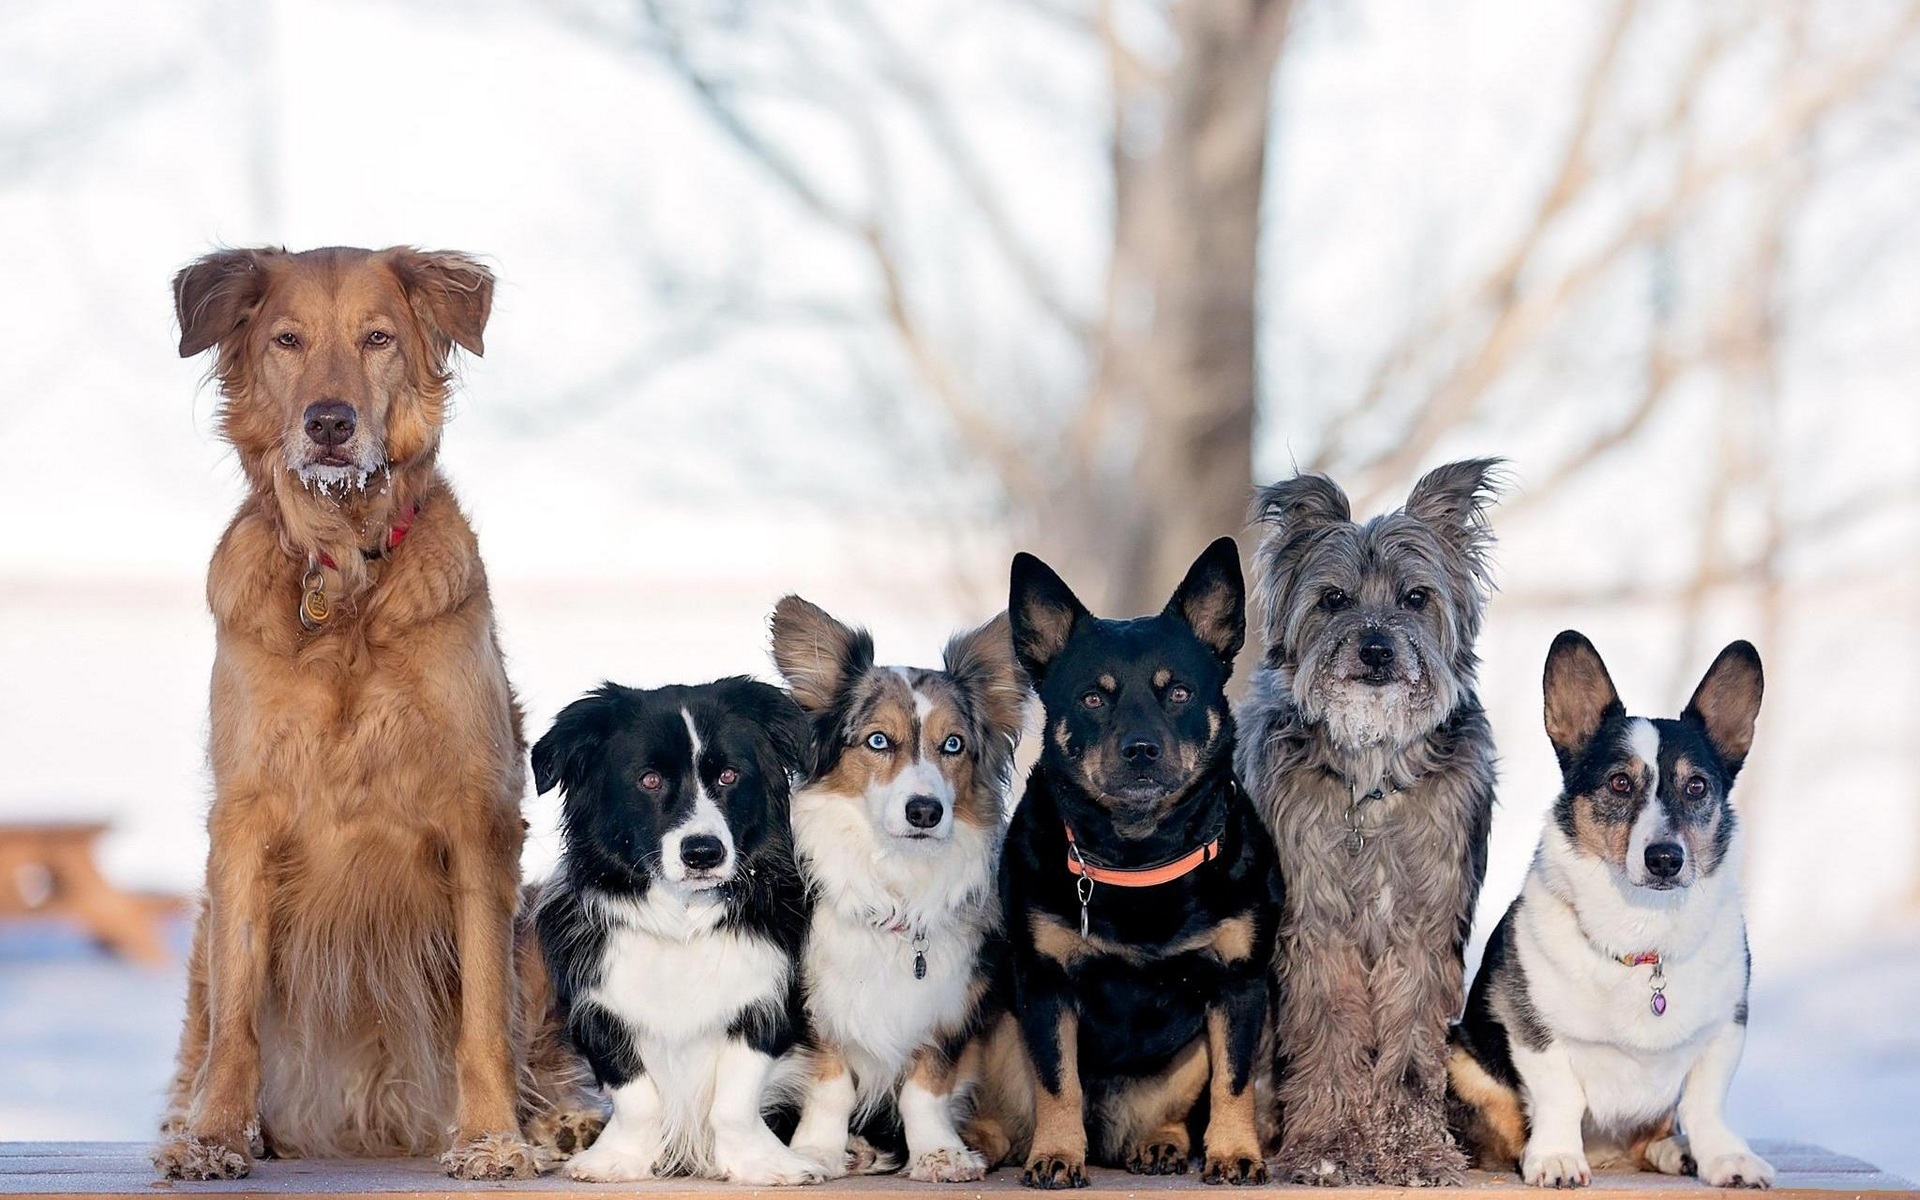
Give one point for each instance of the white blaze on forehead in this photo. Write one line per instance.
(704, 818)
(1644, 741)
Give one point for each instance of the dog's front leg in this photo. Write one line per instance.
(744, 1149)
(233, 950)
(826, 1114)
(1233, 1039)
(1719, 1156)
(1050, 1029)
(1556, 1154)
(486, 1134)
(935, 1151)
(1415, 992)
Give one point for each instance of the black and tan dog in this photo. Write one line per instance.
(1140, 893)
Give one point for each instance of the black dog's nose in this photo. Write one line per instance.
(330, 422)
(924, 812)
(1664, 859)
(1141, 751)
(702, 852)
(1376, 650)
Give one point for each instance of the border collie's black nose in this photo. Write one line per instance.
(1376, 649)
(924, 812)
(1140, 751)
(1664, 859)
(702, 852)
(330, 422)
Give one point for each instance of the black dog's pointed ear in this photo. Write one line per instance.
(1580, 695)
(214, 296)
(1727, 703)
(1453, 500)
(1301, 503)
(817, 655)
(1212, 600)
(983, 662)
(1042, 611)
(451, 292)
(565, 754)
(777, 716)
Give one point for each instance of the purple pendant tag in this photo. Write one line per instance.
(1659, 1004)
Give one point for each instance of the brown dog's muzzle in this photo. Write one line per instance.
(330, 424)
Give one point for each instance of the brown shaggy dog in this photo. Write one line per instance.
(356, 984)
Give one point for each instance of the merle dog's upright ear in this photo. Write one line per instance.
(982, 661)
(1299, 505)
(1727, 703)
(777, 716)
(565, 754)
(1580, 695)
(1453, 499)
(214, 296)
(451, 293)
(1042, 611)
(817, 655)
(1212, 600)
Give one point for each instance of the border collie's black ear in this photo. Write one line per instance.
(1727, 703)
(1212, 600)
(215, 295)
(1580, 695)
(982, 661)
(565, 754)
(817, 655)
(1042, 611)
(775, 713)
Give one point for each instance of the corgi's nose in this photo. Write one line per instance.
(702, 852)
(1376, 650)
(330, 422)
(1664, 859)
(924, 812)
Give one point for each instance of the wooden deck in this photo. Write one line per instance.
(121, 1169)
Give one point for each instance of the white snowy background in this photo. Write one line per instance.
(643, 496)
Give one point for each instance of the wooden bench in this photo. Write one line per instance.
(120, 1169)
(47, 869)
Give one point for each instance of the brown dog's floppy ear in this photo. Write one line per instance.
(1042, 611)
(1453, 500)
(1580, 695)
(1727, 703)
(1212, 600)
(451, 292)
(215, 295)
(982, 661)
(817, 655)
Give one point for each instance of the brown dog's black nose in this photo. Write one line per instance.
(924, 812)
(1376, 650)
(1664, 859)
(703, 852)
(330, 422)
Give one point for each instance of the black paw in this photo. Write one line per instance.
(1157, 1158)
(1236, 1169)
(1052, 1171)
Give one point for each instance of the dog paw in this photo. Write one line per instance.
(1161, 1157)
(766, 1163)
(1563, 1169)
(864, 1158)
(1234, 1168)
(1443, 1165)
(1314, 1169)
(948, 1164)
(189, 1156)
(604, 1162)
(560, 1135)
(835, 1162)
(1669, 1156)
(1051, 1171)
(1737, 1171)
(498, 1155)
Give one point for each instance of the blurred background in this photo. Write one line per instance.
(855, 297)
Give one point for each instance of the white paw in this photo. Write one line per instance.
(772, 1165)
(949, 1164)
(834, 1162)
(1737, 1170)
(1556, 1169)
(1669, 1156)
(604, 1162)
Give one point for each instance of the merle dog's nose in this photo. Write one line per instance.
(702, 852)
(1376, 650)
(1140, 751)
(924, 812)
(330, 422)
(1664, 859)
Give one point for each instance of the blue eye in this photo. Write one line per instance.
(952, 745)
(879, 741)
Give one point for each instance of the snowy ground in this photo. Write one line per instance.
(1834, 1055)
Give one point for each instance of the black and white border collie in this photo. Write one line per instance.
(898, 829)
(673, 926)
(1612, 1000)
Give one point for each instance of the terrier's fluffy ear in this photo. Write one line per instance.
(983, 662)
(1296, 505)
(1453, 500)
(1727, 703)
(1042, 610)
(817, 655)
(1580, 695)
(1212, 600)
(565, 754)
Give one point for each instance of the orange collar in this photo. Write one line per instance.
(1138, 877)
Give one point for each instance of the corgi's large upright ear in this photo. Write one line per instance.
(817, 655)
(1580, 696)
(1727, 703)
(1212, 600)
(1042, 610)
(566, 754)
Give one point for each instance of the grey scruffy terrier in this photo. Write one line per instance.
(1368, 753)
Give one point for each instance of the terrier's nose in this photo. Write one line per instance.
(924, 812)
(1664, 859)
(330, 422)
(702, 852)
(1140, 751)
(1376, 650)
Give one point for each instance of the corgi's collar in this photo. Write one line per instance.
(1650, 958)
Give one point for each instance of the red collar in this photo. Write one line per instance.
(396, 534)
(1644, 958)
(1138, 877)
